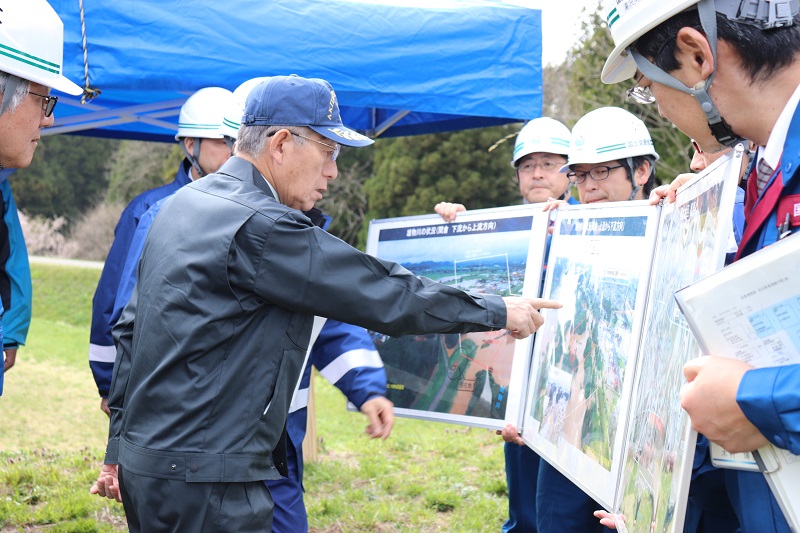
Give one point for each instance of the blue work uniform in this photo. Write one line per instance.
(101, 346)
(344, 355)
(769, 397)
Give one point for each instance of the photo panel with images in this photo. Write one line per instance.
(583, 356)
(694, 235)
(475, 379)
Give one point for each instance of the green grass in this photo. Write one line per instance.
(426, 477)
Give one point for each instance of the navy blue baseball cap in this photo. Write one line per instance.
(295, 101)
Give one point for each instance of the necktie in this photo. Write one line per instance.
(764, 173)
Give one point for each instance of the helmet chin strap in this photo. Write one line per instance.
(719, 128)
(230, 141)
(632, 174)
(193, 157)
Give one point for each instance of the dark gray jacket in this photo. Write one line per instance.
(229, 282)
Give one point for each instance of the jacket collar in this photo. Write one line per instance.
(182, 177)
(239, 168)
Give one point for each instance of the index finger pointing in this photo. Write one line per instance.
(539, 303)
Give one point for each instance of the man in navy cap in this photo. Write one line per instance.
(212, 342)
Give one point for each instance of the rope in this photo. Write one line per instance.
(89, 93)
(501, 141)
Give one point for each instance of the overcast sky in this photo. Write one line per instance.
(561, 23)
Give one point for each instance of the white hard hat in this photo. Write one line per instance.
(541, 135)
(608, 134)
(232, 119)
(202, 114)
(627, 21)
(32, 44)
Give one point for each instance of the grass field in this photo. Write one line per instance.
(426, 477)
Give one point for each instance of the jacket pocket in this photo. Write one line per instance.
(284, 384)
(299, 329)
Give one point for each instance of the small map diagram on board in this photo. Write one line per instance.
(766, 337)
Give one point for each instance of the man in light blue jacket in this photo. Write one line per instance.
(32, 40)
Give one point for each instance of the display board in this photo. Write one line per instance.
(475, 378)
(596, 391)
(694, 235)
(580, 380)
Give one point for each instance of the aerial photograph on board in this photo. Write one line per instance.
(456, 374)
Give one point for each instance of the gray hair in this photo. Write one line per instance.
(253, 139)
(19, 88)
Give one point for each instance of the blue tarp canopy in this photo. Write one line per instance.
(400, 68)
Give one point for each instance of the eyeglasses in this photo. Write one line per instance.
(48, 102)
(597, 174)
(529, 166)
(696, 147)
(639, 94)
(334, 148)
(643, 95)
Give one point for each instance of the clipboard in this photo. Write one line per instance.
(745, 311)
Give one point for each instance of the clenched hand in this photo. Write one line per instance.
(380, 412)
(107, 484)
